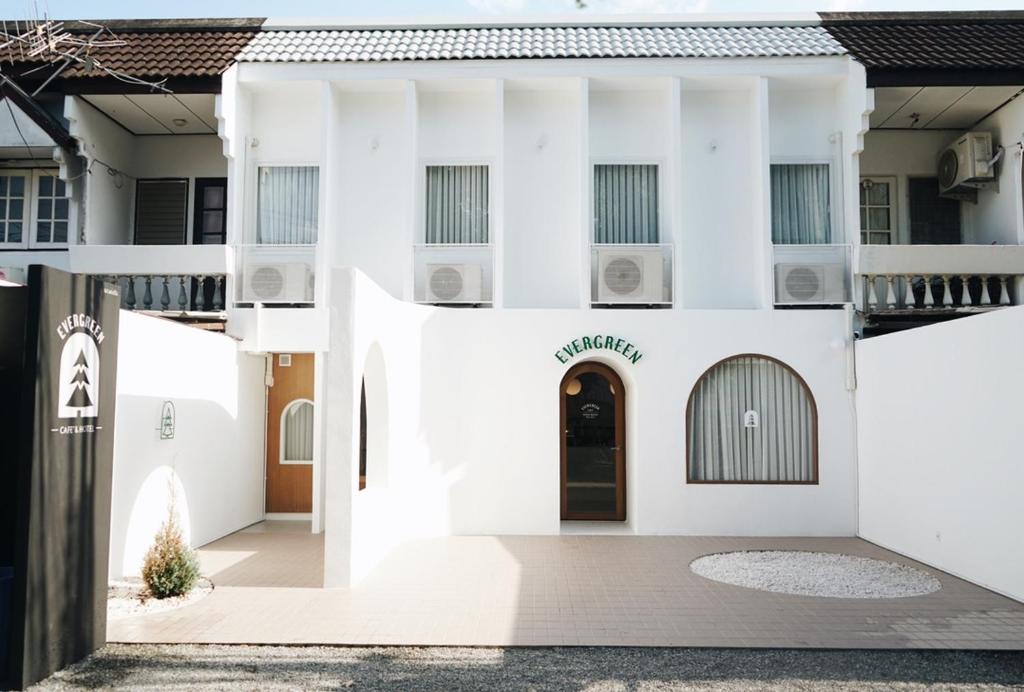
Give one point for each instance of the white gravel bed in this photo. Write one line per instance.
(828, 575)
(128, 597)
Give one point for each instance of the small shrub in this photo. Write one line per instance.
(171, 568)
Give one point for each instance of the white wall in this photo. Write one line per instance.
(372, 198)
(214, 464)
(107, 197)
(720, 265)
(472, 420)
(999, 216)
(542, 198)
(940, 469)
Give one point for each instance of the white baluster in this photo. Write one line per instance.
(965, 296)
(872, 295)
(986, 297)
(890, 292)
(947, 295)
(929, 299)
(1004, 295)
(909, 302)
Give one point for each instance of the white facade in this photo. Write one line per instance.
(463, 403)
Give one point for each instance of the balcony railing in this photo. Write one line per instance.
(275, 275)
(631, 274)
(165, 278)
(456, 275)
(930, 277)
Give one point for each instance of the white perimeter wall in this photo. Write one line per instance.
(463, 410)
(213, 466)
(940, 446)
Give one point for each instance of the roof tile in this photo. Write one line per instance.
(375, 45)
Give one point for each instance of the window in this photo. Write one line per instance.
(751, 419)
(877, 210)
(161, 212)
(210, 223)
(625, 203)
(801, 204)
(362, 436)
(934, 220)
(35, 210)
(53, 209)
(457, 205)
(288, 200)
(297, 432)
(12, 208)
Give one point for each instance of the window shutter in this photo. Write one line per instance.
(161, 212)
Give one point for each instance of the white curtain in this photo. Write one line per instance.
(288, 205)
(457, 204)
(800, 204)
(625, 203)
(722, 447)
(298, 432)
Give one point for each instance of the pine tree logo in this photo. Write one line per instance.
(78, 395)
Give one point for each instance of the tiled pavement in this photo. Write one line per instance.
(556, 590)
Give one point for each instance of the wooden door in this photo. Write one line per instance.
(289, 481)
(593, 425)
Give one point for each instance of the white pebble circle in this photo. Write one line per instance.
(827, 575)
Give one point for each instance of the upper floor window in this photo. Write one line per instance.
(801, 204)
(457, 204)
(751, 419)
(161, 211)
(877, 210)
(626, 204)
(288, 205)
(35, 210)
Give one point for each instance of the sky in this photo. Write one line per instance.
(109, 9)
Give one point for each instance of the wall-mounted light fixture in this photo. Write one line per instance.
(375, 143)
(542, 142)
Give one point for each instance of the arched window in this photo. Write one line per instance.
(297, 432)
(751, 419)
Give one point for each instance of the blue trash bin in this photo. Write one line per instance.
(6, 586)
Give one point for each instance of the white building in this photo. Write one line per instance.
(542, 277)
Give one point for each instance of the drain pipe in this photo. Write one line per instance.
(851, 388)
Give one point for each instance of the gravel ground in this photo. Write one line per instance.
(829, 575)
(133, 667)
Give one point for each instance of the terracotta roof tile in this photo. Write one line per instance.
(160, 54)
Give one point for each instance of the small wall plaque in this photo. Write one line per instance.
(167, 421)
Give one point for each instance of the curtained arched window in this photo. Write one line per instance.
(297, 432)
(751, 419)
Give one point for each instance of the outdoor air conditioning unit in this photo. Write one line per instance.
(454, 283)
(277, 283)
(967, 162)
(629, 275)
(819, 283)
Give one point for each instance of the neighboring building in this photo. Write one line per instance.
(542, 277)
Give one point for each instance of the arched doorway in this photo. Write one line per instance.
(593, 434)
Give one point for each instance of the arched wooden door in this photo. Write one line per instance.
(593, 432)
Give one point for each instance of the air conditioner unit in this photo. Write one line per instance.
(823, 284)
(454, 283)
(966, 162)
(630, 275)
(277, 283)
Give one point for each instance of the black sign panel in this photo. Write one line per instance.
(63, 470)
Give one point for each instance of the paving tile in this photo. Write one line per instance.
(555, 590)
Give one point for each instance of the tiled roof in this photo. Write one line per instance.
(933, 41)
(386, 45)
(195, 52)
